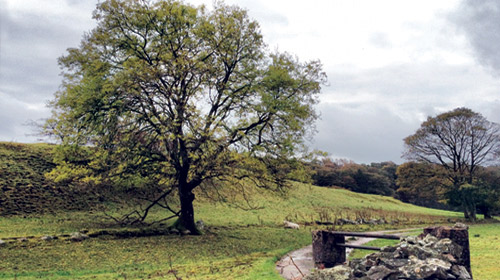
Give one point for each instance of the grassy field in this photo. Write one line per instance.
(485, 251)
(238, 244)
(219, 254)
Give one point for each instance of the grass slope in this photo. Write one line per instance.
(23, 186)
(238, 244)
(306, 203)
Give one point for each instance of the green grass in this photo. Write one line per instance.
(306, 204)
(239, 244)
(224, 253)
(359, 253)
(316, 203)
(485, 251)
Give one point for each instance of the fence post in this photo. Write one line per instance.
(458, 234)
(325, 252)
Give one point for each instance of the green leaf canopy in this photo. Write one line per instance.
(186, 87)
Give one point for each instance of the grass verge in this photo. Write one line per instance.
(222, 253)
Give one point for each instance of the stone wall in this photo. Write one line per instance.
(438, 253)
(458, 234)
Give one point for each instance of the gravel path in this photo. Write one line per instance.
(298, 263)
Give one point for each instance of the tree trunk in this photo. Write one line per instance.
(466, 214)
(186, 217)
(468, 206)
(186, 195)
(485, 210)
(465, 208)
(469, 210)
(473, 212)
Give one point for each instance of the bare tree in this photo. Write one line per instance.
(460, 140)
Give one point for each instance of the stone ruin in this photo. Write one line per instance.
(438, 253)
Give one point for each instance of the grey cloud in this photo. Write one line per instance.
(369, 133)
(7, 129)
(270, 18)
(30, 43)
(74, 2)
(262, 13)
(425, 83)
(30, 46)
(489, 109)
(480, 22)
(367, 114)
(272, 23)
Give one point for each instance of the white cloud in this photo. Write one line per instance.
(390, 63)
(14, 117)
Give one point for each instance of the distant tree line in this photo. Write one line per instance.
(453, 164)
(410, 182)
(418, 183)
(376, 178)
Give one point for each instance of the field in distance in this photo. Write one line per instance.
(236, 244)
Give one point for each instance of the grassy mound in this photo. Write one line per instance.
(23, 186)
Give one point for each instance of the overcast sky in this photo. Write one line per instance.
(390, 64)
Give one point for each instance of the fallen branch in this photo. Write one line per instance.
(300, 271)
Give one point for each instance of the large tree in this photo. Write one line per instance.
(187, 92)
(460, 141)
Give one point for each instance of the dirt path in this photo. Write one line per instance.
(298, 263)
